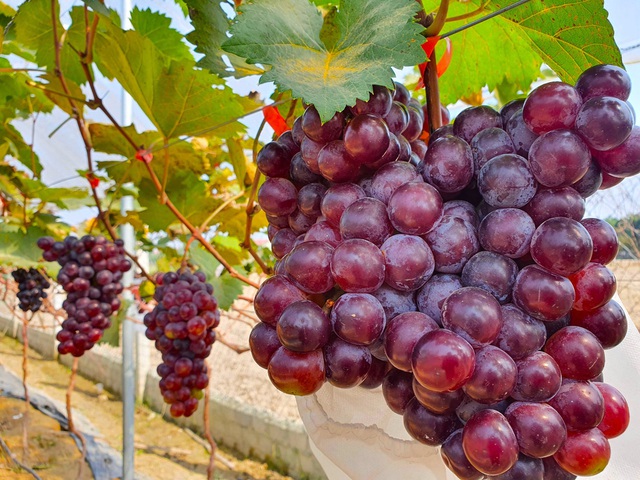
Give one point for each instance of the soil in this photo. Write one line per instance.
(164, 450)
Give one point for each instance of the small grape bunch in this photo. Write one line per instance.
(31, 288)
(91, 274)
(182, 325)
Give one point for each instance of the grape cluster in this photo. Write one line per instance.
(456, 270)
(31, 286)
(91, 274)
(182, 326)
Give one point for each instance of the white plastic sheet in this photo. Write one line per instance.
(355, 436)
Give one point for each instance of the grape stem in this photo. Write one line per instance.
(441, 17)
(70, 424)
(432, 90)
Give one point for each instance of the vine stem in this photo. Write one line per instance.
(71, 426)
(433, 93)
(15, 460)
(441, 17)
(207, 428)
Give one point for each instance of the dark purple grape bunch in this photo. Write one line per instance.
(31, 288)
(91, 274)
(459, 275)
(182, 325)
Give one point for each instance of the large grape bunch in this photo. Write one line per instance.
(182, 326)
(31, 288)
(460, 275)
(91, 274)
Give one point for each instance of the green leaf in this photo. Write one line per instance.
(6, 10)
(285, 34)
(111, 335)
(225, 288)
(98, 7)
(211, 24)
(54, 86)
(238, 160)
(19, 149)
(34, 30)
(569, 36)
(157, 28)
(18, 247)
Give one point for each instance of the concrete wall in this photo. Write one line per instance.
(253, 432)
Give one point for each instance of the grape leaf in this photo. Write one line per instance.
(210, 25)
(156, 27)
(508, 50)
(285, 34)
(34, 30)
(225, 288)
(18, 247)
(239, 161)
(19, 149)
(62, 101)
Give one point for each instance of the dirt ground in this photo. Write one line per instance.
(164, 451)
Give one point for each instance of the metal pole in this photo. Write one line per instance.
(128, 363)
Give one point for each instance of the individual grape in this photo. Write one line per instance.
(604, 122)
(283, 242)
(401, 93)
(577, 352)
(397, 390)
(595, 285)
(274, 160)
(263, 343)
(556, 325)
(542, 294)
(419, 148)
(32, 283)
(320, 132)
(475, 119)
(309, 199)
(489, 443)
(405, 149)
(375, 375)
(453, 242)
(297, 133)
(609, 181)
(288, 142)
(309, 151)
(391, 176)
(455, 459)
(473, 314)
(426, 426)
(491, 272)
(297, 373)
(442, 361)
(415, 208)
(358, 318)
(507, 231)
(336, 200)
(555, 202)
(303, 327)
(553, 471)
(525, 467)
(273, 297)
(461, 209)
(562, 246)
(441, 403)
(346, 364)
(605, 240)
(366, 138)
(415, 125)
(510, 108)
(590, 182)
(367, 219)
(278, 221)
(520, 134)
(379, 102)
(432, 295)
(278, 196)
(309, 267)
(401, 335)
(335, 163)
(358, 266)
(604, 80)
(493, 378)
(616, 411)
(397, 118)
(580, 404)
(300, 174)
(622, 161)
(520, 335)
(506, 181)
(539, 428)
(323, 232)
(608, 323)
(551, 106)
(488, 144)
(584, 453)
(394, 302)
(539, 378)
(559, 158)
(443, 131)
(448, 164)
(469, 407)
(408, 261)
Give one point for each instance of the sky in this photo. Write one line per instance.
(62, 154)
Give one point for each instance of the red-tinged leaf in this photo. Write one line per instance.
(93, 180)
(443, 63)
(144, 156)
(275, 120)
